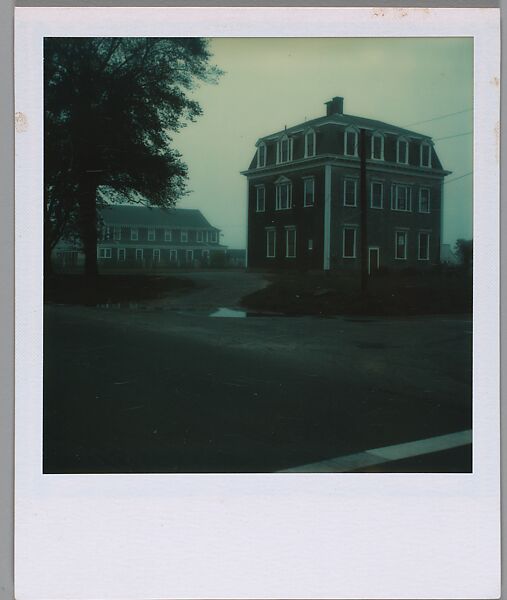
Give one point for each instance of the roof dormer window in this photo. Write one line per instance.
(425, 155)
(402, 151)
(261, 155)
(284, 150)
(309, 143)
(377, 146)
(350, 142)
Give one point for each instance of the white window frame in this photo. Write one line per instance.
(168, 235)
(309, 180)
(284, 138)
(395, 203)
(289, 230)
(425, 145)
(354, 229)
(373, 183)
(373, 137)
(183, 235)
(121, 254)
(155, 255)
(355, 182)
(354, 131)
(427, 257)
(104, 253)
(279, 184)
(405, 247)
(117, 233)
(311, 133)
(189, 253)
(263, 162)
(270, 231)
(420, 200)
(214, 237)
(199, 236)
(151, 235)
(134, 234)
(258, 190)
(139, 254)
(173, 255)
(402, 140)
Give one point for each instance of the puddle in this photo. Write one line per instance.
(230, 313)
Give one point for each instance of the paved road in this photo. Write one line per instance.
(176, 391)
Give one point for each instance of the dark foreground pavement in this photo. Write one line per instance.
(163, 391)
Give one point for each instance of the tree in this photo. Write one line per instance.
(110, 107)
(464, 250)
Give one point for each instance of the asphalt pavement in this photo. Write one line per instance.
(166, 388)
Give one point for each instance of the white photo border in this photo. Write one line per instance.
(256, 536)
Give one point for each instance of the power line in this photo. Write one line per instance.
(456, 178)
(449, 137)
(459, 112)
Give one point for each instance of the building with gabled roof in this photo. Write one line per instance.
(149, 237)
(304, 196)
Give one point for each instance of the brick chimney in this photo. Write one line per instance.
(335, 106)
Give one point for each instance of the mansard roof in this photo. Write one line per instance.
(146, 216)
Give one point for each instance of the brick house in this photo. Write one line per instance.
(141, 237)
(304, 196)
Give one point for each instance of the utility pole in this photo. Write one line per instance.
(364, 212)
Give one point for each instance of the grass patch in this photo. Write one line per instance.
(390, 294)
(110, 289)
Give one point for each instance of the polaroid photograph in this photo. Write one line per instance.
(257, 295)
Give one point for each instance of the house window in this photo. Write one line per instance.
(190, 255)
(270, 243)
(401, 198)
(168, 235)
(139, 254)
(173, 255)
(310, 244)
(260, 198)
(283, 195)
(261, 155)
(377, 146)
(134, 234)
(284, 150)
(402, 151)
(349, 242)
(184, 236)
(104, 253)
(309, 191)
(400, 242)
(424, 200)
(214, 237)
(424, 246)
(310, 143)
(350, 192)
(425, 155)
(117, 233)
(290, 242)
(151, 235)
(121, 254)
(350, 142)
(156, 255)
(377, 194)
(199, 236)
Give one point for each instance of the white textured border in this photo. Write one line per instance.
(256, 536)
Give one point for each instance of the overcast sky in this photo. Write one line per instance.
(270, 83)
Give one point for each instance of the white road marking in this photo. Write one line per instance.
(377, 456)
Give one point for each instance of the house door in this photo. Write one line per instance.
(190, 256)
(373, 260)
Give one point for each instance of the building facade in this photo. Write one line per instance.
(145, 238)
(304, 190)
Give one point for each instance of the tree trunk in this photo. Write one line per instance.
(88, 225)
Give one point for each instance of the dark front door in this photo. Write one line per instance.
(373, 260)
